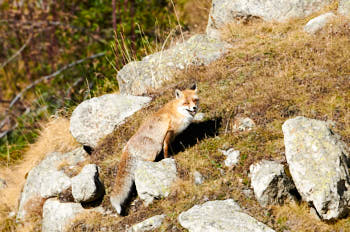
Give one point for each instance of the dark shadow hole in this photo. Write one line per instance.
(196, 132)
(294, 192)
(88, 149)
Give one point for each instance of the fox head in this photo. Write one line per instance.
(188, 101)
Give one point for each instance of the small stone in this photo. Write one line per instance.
(86, 186)
(198, 178)
(149, 224)
(316, 24)
(154, 179)
(232, 157)
(243, 124)
(270, 183)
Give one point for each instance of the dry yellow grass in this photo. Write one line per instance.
(55, 136)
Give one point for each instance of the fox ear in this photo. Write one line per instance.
(194, 87)
(178, 94)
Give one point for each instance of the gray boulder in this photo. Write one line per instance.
(139, 77)
(57, 216)
(149, 224)
(223, 12)
(220, 216)
(344, 7)
(154, 179)
(86, 186)
(270, 183)
(45, 180)
(98, 116)
(316, 24)
(318, 162)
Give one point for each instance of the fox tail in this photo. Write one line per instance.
(124, 181)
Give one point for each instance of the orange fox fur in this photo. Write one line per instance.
(155, 134)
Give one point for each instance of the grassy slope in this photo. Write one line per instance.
(272, 73)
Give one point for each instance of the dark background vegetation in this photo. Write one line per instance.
(38, 38)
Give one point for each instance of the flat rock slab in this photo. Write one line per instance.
(270, 183)
(149, 224)
(99, 116)
(318, 163)
(316, 24)
(57, 216)
(344, 7)
(139, 77)
(45, 180)
(220, 216)
(154, 179)
(228, 11)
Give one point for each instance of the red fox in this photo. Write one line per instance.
(155, 134)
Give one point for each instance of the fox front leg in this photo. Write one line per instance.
(166, 143)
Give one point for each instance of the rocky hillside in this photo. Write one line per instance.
(268, 151)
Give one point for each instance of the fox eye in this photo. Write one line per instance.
(185, 103)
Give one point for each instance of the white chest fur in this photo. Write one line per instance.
(185, 122)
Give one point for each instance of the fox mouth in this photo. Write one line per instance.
(192, 112)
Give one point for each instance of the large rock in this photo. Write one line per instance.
(154, 179)
(220, 216)
(98, 117)
(45, 180)
(58, 216)
(139, 77)
(344, 7)
(316, 24)
(86, 186)
(227, 11)
(149, 224)
(270, 183)
(318, 163)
